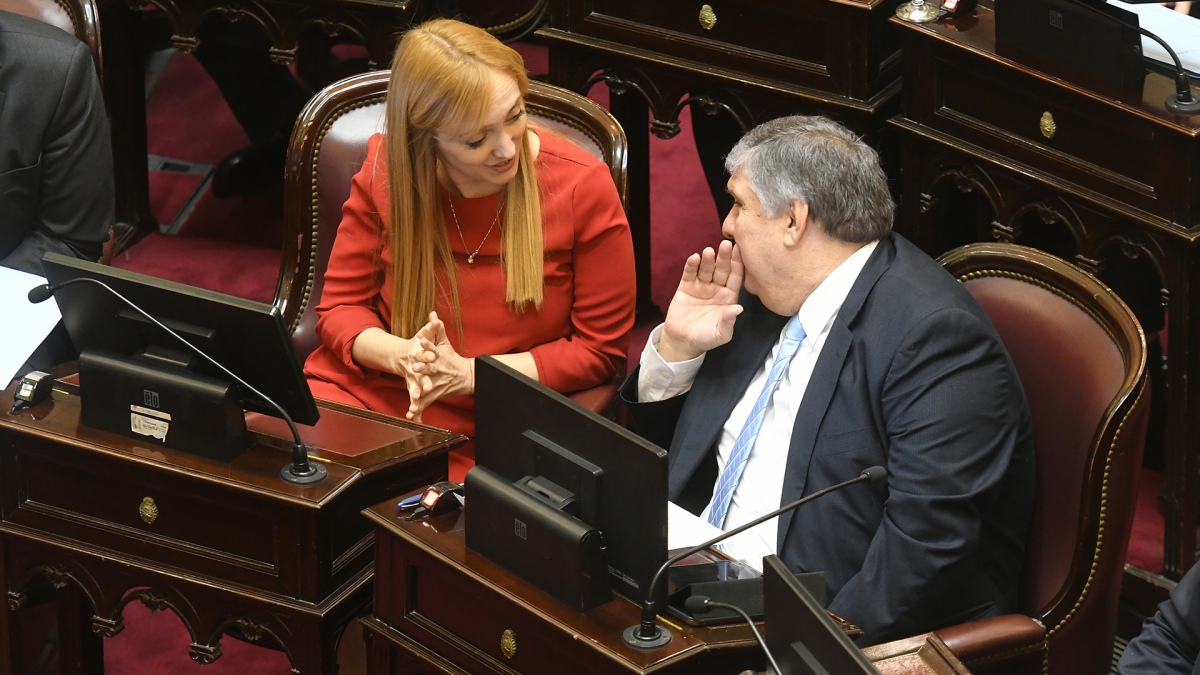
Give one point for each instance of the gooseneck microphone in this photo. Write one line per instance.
(1183, 101)
(648, 634)
(698, 604)
(299, 471)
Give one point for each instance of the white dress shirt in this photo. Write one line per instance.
(760, 489)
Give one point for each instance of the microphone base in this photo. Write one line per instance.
(1189, 108)
(917, 12)
(632, 639)
(318, 474)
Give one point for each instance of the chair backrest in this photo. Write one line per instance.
(329, 145)
(77, 17)
(1080, 354)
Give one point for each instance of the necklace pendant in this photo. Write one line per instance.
(470, 260)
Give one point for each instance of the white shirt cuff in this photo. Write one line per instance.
(659, 380)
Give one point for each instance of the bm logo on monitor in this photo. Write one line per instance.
(1056, 19)
(520, 529)
(150, 398)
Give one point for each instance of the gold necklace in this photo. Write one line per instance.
(471, 256)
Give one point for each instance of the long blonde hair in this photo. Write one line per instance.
(441, 80)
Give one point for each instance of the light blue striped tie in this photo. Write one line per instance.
(793, 335)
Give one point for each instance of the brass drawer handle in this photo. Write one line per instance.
(508, 643)
(1047, 125)
(708, 18)
(148, 510)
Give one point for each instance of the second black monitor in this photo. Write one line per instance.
(562, 457)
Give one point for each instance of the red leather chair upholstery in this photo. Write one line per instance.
(328, 146)
(1081, 358)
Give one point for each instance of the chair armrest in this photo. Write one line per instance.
(1014, 640)
(598, 399)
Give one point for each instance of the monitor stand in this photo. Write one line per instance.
(554, 551)
(1095, 45)
(157, 398)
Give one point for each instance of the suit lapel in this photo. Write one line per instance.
(727, 370)
(822, 385)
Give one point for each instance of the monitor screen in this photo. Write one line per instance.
(249, 338)
(577, 465)
(801, 636)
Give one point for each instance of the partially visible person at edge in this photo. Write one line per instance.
(56, 163)
(470, 231)
(1169, 643)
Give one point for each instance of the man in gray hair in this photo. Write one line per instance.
(814, 343)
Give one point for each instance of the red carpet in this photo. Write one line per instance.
(244, 271)
(186, 117)
(157, 644)
(170, 192)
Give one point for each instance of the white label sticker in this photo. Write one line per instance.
(151, 411)
(148, 426)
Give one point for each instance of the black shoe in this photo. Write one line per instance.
(250, 169)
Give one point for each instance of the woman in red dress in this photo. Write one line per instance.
(470, 231)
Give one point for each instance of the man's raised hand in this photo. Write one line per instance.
(705, 305)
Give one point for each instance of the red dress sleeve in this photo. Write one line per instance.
(601, 255)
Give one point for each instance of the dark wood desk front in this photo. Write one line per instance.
(227, 547)
(441, 608)
(751, 61)
(993, 149)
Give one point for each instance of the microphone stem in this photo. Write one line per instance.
(651, 608)
(1183, 86)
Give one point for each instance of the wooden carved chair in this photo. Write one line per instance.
(1080, 355)
(329, 145)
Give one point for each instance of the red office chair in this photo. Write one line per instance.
(328, 146)
(1080, 354)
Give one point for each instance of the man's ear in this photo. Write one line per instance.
(798, 223)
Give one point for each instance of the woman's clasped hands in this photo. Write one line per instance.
(433, 370)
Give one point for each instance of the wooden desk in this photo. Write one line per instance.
(752, 61)
(993, 149)
(227, 547)
(440, 608)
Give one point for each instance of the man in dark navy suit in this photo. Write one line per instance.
(814, 344)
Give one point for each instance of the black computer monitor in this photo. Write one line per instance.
(122, 352)
(555, 484)
(801, 636)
